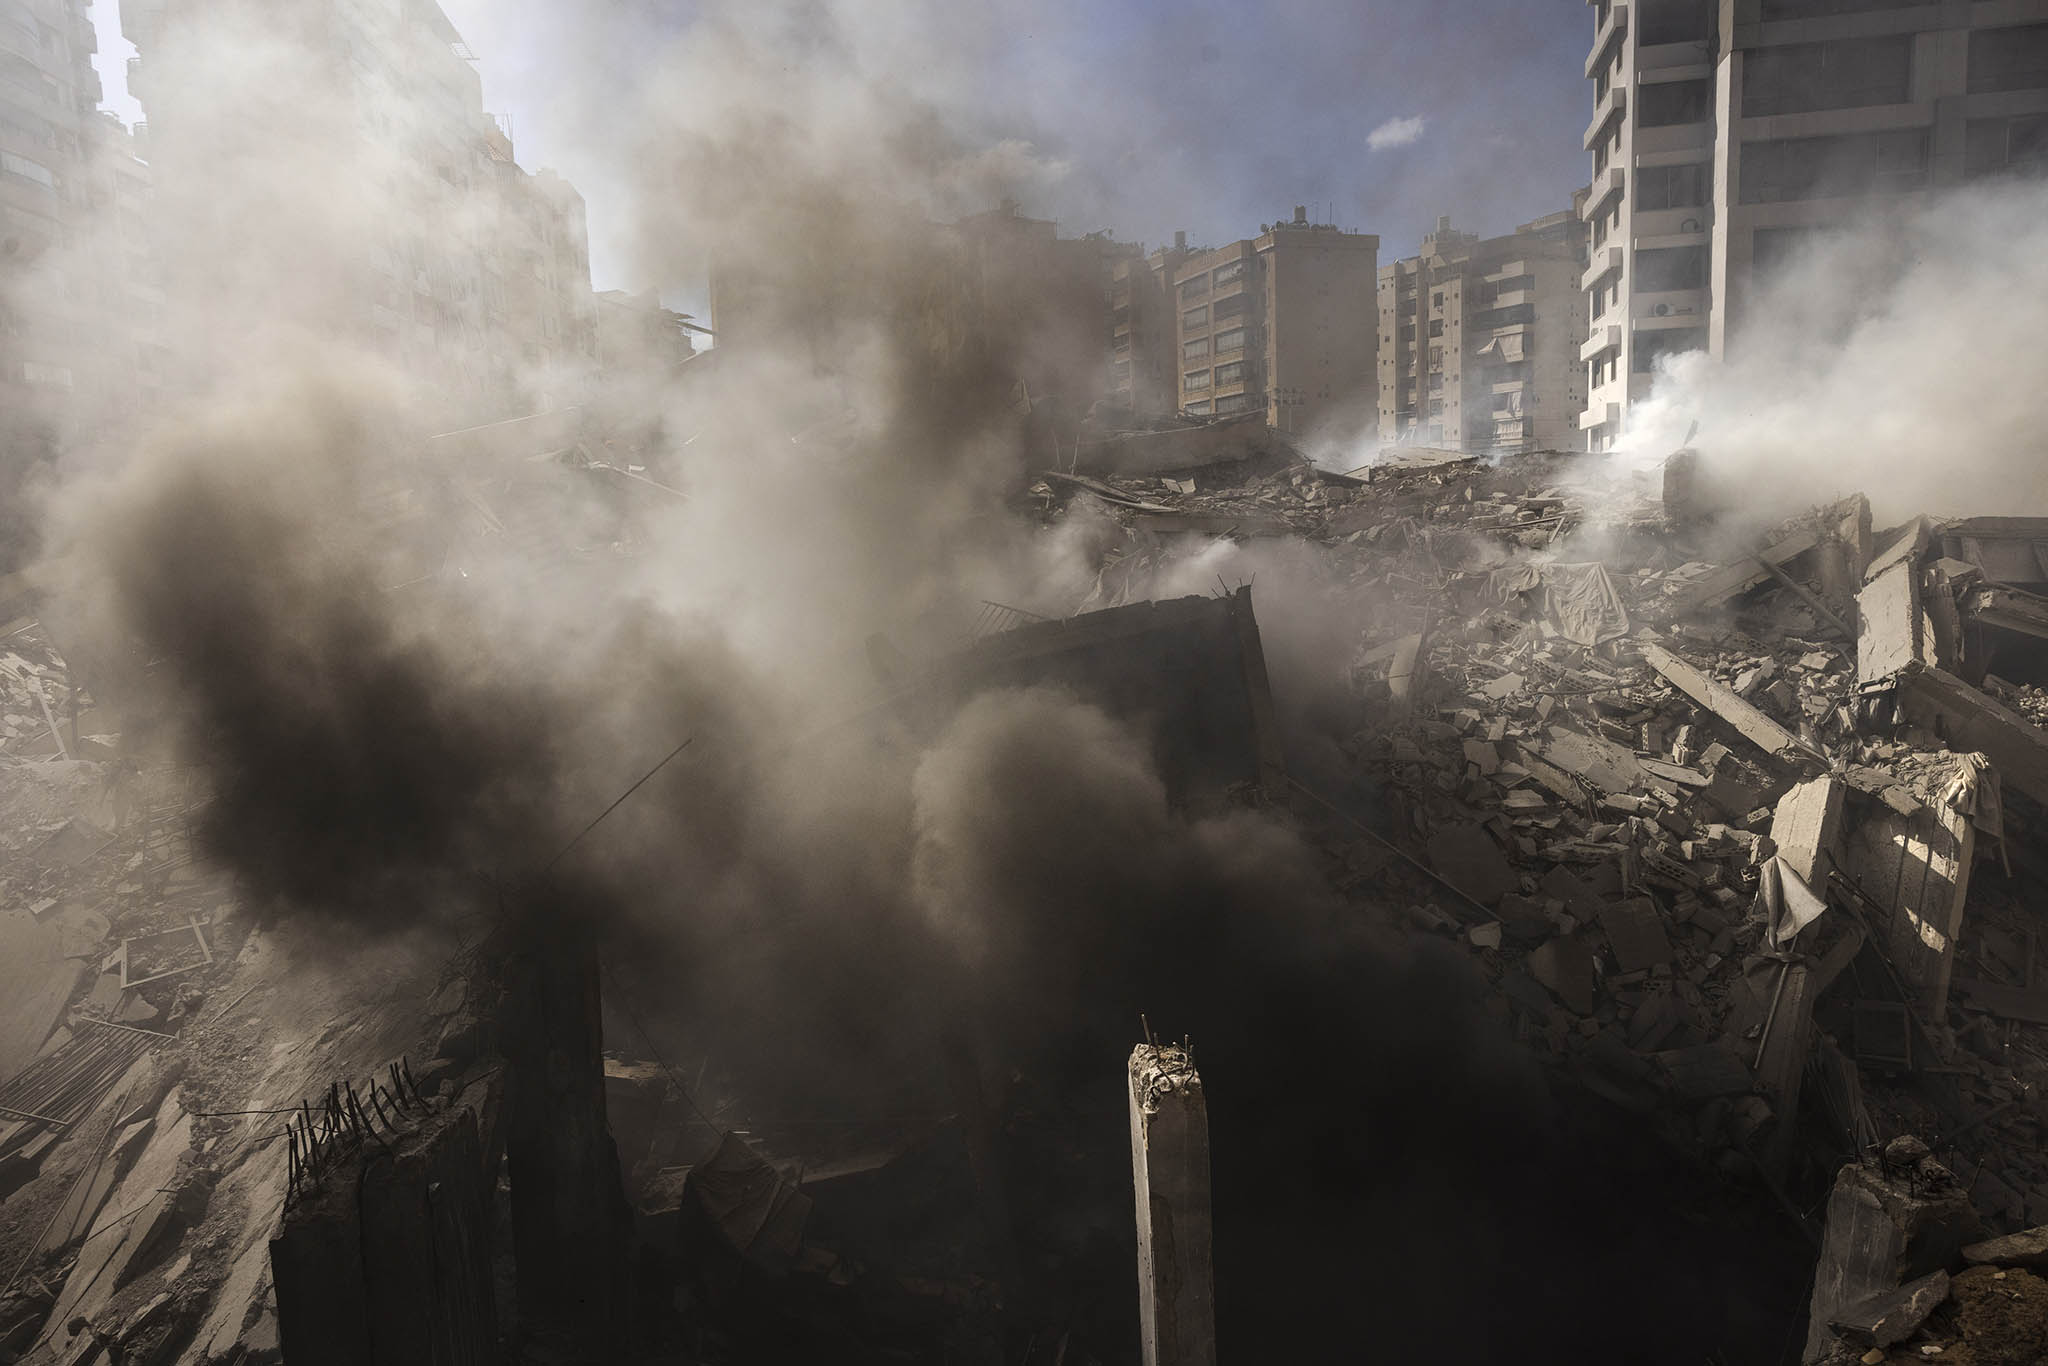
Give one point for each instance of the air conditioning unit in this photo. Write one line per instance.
(1661, 311)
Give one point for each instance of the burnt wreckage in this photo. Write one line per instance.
(1734, 829)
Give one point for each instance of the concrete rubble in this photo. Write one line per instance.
(1744, 833)
(1740, 824)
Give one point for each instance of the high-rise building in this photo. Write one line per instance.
(50, 141)
(1283, 323)
(371, 198)
(1726, 133)
(1479, 340)
(1143, 374)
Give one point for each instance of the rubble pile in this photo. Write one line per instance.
(1735, 853)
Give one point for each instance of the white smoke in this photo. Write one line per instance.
(1902, 360)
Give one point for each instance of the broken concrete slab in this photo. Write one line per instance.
(2006, 549)
(1190, 670)
(1848, 520)
(1893, 1316)
(1883, 1229)
(1565, 967)
(1604, 764)
(1807, 828)
(1970, 720)
(1759, 729)
(2028, 1248)
(1635, 932)
(1467, 858)
(1917, 868)
(1890, 636)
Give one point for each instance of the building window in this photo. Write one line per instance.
(2018, 145)
(1675, 21)
(1652, 345)
(1670, 102)
(1199, 408)
(1233, 340)
(1672, 268)
(1407, 334)
(1598, 304)
(1198, 349)
(1822, 168)
(1195, 317)
(1233, 403)
(1230, 274)
(1230, 307)
(1436, 356)
(1799, 78)
(1436, 327)
(1771, 249)
(1436, 407)
(1232, 373)
(1197, 288)
(1194, 379)
(1671, 187)
(2009, 58)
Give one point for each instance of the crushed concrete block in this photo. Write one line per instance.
(1636, 933)
(1807, 828)
(1894, 1316)
(1565, 967)
(2027, 1248)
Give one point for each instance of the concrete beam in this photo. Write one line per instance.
(1170, 1166)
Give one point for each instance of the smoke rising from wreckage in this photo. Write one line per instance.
(1589, 947)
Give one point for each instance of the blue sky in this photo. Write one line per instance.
(1171, 114)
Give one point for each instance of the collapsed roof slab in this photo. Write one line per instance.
(1190, 672)
(1970, 720)
(1137, 454)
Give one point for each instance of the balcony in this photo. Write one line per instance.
(1600, 415)
(1609, 33)
(1607, 187)
(1602, 340)
(1604, 114)
(1605, 263)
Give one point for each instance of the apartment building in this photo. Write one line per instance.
(375, 196)
(1728, 133)
(1144, 374)
(1480, 339)
(56, 169)
(1281, 323)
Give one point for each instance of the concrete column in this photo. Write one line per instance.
(1170, 1164)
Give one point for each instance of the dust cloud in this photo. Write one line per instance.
(833, 887)
(1900, 360)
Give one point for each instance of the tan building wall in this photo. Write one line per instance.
(1727, 132)
(1480, 339)
(1322, 330)
(1282, 323)
(1220, 352)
